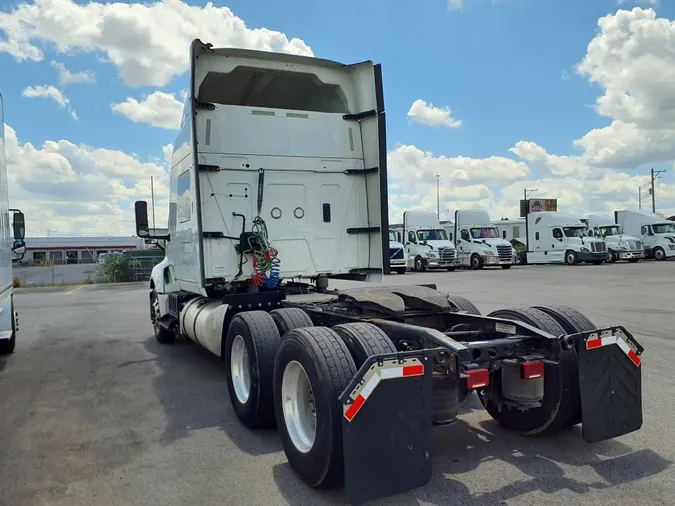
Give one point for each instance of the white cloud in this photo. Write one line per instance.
(42, 91)
(426, 114)
(67, 77)
(157, 109)
(68, 188)
(456, 5)
(148, 43)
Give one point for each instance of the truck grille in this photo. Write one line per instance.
(447, 254)
(504, 252)
(598, 247)
(634, 245)
(396, 253)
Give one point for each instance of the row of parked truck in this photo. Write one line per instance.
(545, 237)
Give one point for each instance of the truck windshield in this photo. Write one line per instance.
(392, 236)
(431, 235)
(613, 230)
(575, 231)
(484, 233)
(664, 228)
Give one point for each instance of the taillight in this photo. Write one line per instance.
(477, 378)
(531, 370)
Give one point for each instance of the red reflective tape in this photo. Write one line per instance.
(354, 407)
(634, 357)
(593, 343)
(413, 370)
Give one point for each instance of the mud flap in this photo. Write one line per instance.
(610, 383)
(387, 426)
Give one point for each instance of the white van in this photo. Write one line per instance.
(427, 244)
(478, 241)
(619, 245)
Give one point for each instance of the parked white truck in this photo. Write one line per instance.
(657, 234)
(12, 248)
(278, 182)
(398, 260)
(619, 245)
(554, 238)
(426, 242)
(478, 242)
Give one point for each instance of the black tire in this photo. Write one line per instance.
(597, 262)
(420, 264)
(450, 269)
(611, 257)
(573, 322)
(476, 262)
(633, 260)
(364, 340)
(261, 340)
(329, 367)
(561, 391)
(7, 347)
(506, 266)
(659, 253)
(462, 304)
(162, 335)
(571, 258)
(401, 270)
(521, 258)
(290, 318)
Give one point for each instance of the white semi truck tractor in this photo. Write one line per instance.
(426, 242)
(620, 246)
(657, 234)
(478, 241)
(398, 260)
(278, 184)
(13, 249)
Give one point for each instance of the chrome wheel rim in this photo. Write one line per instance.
(240, 369)
(298, 406)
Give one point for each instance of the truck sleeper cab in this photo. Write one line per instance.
(478, 241)
(554, 237)
(353, 379)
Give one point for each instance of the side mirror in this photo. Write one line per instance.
(19, 226)
(141, 209)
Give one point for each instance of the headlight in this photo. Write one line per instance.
(585, 250)
(431, 254)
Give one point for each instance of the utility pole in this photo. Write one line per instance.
(527, 193)
(655, 174)
(438, 196)
(152, 192)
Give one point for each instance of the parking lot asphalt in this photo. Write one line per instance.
(93, 411)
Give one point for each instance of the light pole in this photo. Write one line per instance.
(438, 196)
(527, 193)
(655, 174)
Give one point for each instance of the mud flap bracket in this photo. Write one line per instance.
(387, 426)
(610, 383)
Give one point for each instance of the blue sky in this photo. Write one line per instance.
(507, 70)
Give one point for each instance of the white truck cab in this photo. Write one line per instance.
(619, 245)
(398, 259)
(478, 241)
(427, 244)
(554, 237)
(656, 233)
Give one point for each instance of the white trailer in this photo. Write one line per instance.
(620, 246)
(478, 241)
(278, 183)
(13, 249)
(426, 242)
(656, 233)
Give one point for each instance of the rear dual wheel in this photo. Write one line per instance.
(561, 401)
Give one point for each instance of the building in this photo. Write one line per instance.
(75, 250)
